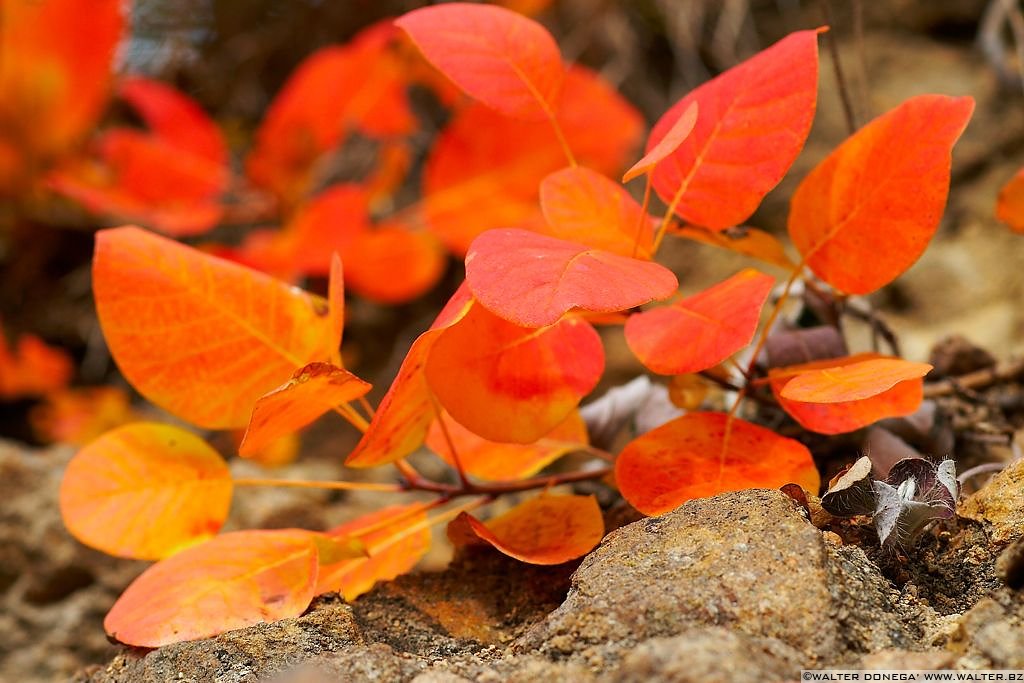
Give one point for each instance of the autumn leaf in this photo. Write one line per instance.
(498, 57)
(901, 399)
(753, 121)
(852, 381)
(400, 422)
(533, 280)
(54, 85)
(747, 241)
(395, 538)
(79, 415)
(313, 390)
(392, 264)
(544, 530)
(199, 336)
(668, 144)
(32, 367)
(700, 455)
(484, 169)
(1010, 207)
(513, 384)
(230, 582)
(702, 330)
(144, 491)
(359, 86)
(581, 205)
(867, 212)
(495, 461)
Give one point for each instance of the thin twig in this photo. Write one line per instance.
(1001, 372)
(833, 46)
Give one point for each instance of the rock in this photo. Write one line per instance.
(999, 505)
(991, 634)
(906, 660)
(748, 561)
(708, 654)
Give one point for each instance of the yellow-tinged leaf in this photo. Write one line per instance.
(312, 391)
(334, 549)
(199, 336)
(747, 241)
(233, 581)
(852, 382)
(145, 490)
(543, 530)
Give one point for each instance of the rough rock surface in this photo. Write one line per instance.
(1000, 504)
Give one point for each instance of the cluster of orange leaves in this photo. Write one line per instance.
(494, 385)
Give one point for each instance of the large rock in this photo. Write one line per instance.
(999, 505)
(748, 561)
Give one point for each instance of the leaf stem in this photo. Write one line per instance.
(643, 217)
(330, 485)
(353, 418)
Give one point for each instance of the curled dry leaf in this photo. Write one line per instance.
(501, 58)
(850, 492)
(543, 530)
(199, 336)
(702, 330)
(394, 539)
(857, 235)
(753, 121)
(852, 381)
(902, 398)
(581, 205)
(312, 391)
(704, 454)
(533, 280)
(232, 581)
(144, 491)
(495, 461)
(675, 136)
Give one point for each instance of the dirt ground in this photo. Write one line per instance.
(970, 282)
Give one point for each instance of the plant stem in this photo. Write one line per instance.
(643, 218)
(331, 485)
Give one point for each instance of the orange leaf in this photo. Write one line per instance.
(852, 382)
(145, 490)
(675, 136)
(703, 330)
(495, 461)
(753, 121)
(867, 212)
(747, 241)
(1010, 207)
(838, 418)
(336, 302)
(230, 582)
(542, 530)
(513, 384)
(392, 264)
(312, 391)
(501, 58)
(395, 538)
(401, 421)
(77, 416)
(533, 280)
(361, 85)
(484, 168)
(703, 454)
(33, 368)
(199, 336)
(581, 205)
(55, 74)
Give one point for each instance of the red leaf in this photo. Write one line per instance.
(675, 136)
(703, 330)
(703, 454)
(233, 581)
(392, 264)
(838, 418)
(401, 421)
(484, 168)
(855, 381)
(501, 58)
(312, 391)
(867, 212)
(164, 475)
(544, 530)
(199, 336)
(513, 384)
(395, 537)
(1010, 207)
(753, 121)
(32, 368)
(533, 280)
(581, 205)
(495, 461)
